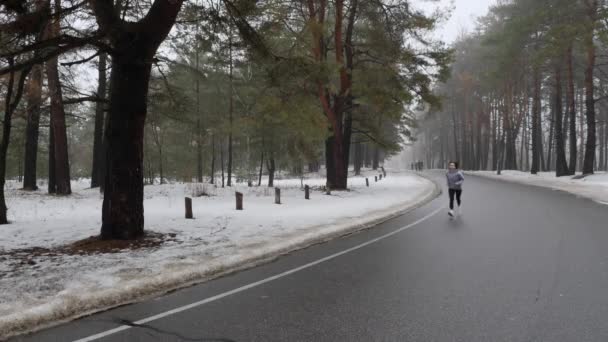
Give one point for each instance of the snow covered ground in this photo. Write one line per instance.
(594, 187)
(55, 287)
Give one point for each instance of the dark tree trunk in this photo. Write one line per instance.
(561, 167)
(367, 152)
(602, 130)
(455, 133)
(199, 133)
(270, 165)
(222, 164)
(347, 81)
(34, 99)
(571, 112)
(98, 155)
(550, 142)
(358, 158)
(161, 172)
(62, 165)
(376, 161)
(346, 143)
(329, 162)
(581, 129)
(261, 168)
(134, 45)
(123, 210)
(11, 103)
(199, 152)
(536, 129)
(523, 144)
(495, 123)
(336, 170)
(213, 159)
(52, 186)
(590, 146)
(231, 110)
(103, 163)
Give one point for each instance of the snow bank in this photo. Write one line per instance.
(594, 187)
(218, 241)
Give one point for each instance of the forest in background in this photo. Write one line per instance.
(527, 91)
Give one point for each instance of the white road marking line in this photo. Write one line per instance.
(252, 285)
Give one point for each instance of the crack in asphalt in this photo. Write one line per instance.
(171, 333)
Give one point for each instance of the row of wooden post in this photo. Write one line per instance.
(277, 196)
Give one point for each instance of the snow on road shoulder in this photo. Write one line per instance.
(594, 187)
(219, 239)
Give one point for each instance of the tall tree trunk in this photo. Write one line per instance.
(199, 132)
(52, 186)
(550, 142)
(501, 148)
(98, 155)
(11, 103)
(495, 123)
(212, 159)
(358, 158)
(123, 211)
(510, 132)
(62, 165)
(261, 168)
(376, 161)
(478, 147)
(270, 165)
(455, 126)
(367, 156)
(571, 111)
(34, 102)
(60, 140)
(222, 164)
(590, 146)
(133, 48)
(602, 122)
(336, 170)
(561, 167)
(346, 76)
(32, 130)
(536, 128)
(330, 167)
(231, 110)
(581, 130)
(464, 155)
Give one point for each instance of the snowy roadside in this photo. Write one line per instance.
(220, 240)
(594, 187)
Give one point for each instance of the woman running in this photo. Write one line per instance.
(455, 178)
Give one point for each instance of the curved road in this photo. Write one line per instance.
(521, 264)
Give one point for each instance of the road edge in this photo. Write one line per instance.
(557, 187)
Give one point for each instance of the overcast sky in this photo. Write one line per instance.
(463, 16)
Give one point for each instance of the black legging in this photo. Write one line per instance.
(452, 193)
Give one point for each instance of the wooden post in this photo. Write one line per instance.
(375, 178)
(380, 177)
(307, 192)
(239, 201)
(189, 208)
(277, 196)
(367, 182)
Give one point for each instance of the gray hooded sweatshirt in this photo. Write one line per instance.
(455, 179)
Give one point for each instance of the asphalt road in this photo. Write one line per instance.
(521, 264)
